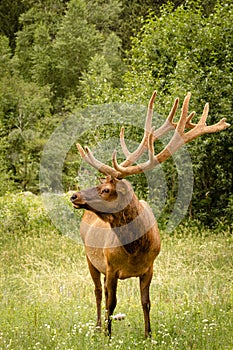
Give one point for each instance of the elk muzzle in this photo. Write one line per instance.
(77, 200)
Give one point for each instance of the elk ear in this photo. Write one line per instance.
(121, 187)
(101, 179)
(108, 178)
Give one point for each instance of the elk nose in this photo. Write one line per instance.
(73, 197)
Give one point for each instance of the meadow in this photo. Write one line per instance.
(47, 299)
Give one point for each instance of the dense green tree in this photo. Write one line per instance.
(23, 108)
(5, 57)
(10, 11)
(34, 41)
(180, 51)
(57, 43)
(96, 82)
(76, 42)
(103, 74)
(136, 11)
(104, 14)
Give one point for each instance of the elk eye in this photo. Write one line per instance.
(106, 190)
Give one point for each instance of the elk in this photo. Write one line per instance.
(119, 231)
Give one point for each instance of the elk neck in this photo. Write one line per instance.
(130, 226)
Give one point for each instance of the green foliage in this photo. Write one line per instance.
(5, 57)
(10, 11)
(23, 213)
(34, 41)
(24, 107)
(104, 14)
(58, 42)
(96, 82)
(76, 42)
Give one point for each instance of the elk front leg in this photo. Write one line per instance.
(95, 274)
(145, 281)
(110, 284)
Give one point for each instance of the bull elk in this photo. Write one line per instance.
(119, 231)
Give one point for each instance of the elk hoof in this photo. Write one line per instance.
(119, 317)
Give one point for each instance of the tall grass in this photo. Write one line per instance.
(47, 299)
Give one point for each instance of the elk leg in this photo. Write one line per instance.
(111, 300)
(95, 274)
(145, 281)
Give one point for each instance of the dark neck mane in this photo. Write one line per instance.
(130, 226)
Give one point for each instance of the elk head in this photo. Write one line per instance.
(110, 196)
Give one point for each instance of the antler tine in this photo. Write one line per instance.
(134, 156)
(201, 128)
(173, 111)
(189, 124)
(168, 124)
(150, 110)
(125, 171)
(204, 114)
(89, 158)
(123, 144)
(184, 113)
(151, 149)
(139, 168)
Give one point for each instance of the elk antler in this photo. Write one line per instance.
(150, 135)
(167, 126)
(88, 156)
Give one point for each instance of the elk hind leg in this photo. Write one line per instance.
(145, 281)
(110, 284)
(96, 276)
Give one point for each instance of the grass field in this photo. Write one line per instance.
(47, 299)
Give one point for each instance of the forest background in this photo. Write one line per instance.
(60, 57)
